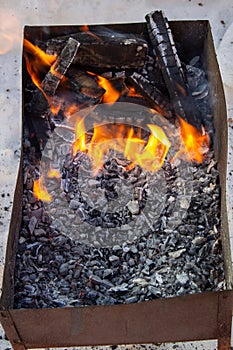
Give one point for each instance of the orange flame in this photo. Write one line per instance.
(155, 152)
(193, 141)
(38, 64)
(37, 61)
(80, 137)
(132, 92)
(54, 173)
(86, 29)
(111, 95)
(149, 155)
(40, 191)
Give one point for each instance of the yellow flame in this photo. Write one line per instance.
(193, 141)
(54, 173)
(149, 155)
(40, 191)
(80, 137)
(111, 95)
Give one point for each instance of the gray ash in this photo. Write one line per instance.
(53, 270)
(109, 178)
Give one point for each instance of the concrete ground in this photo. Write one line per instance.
(14, 14)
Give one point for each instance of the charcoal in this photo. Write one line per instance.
(108, 50)
(32, 224)
(176, 254)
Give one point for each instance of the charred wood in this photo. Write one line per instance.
(165, 49)
(39, 131)
(39, 103)
(151, 93)
(107, 50)
(84, 83)
(58, 69)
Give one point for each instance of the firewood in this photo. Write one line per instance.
(159, 101)
(107, 50)
(82, 82)
(58, 69)
(164, 47)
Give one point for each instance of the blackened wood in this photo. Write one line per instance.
(37, 105)
(151, 93)
(164, 47)
(39, 129)
(107, 50)
(58, 69)
(84, 83)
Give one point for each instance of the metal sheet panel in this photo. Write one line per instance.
(185, 318)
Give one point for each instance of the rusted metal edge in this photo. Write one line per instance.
(11, 331)
(7, 297)
(186, 318)
(225, 306)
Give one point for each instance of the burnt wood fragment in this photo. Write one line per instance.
(165, 49)
(107, 50)
(38, 104)
(84, 83)
(151, 93)
(52, 79)
(59, 67)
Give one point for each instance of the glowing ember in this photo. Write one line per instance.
(193, 141)
(40, 191)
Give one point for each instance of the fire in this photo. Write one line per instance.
(54, 173)
(111, 95)
(156, 149)
(37, 62)
(86, 29)
(122, 138)
(193, 141)
(40, 191)
(133, 93)
(80, 137)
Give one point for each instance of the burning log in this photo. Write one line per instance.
(83, 82)
(53, 78)
(78, 86)
(107, 50)
(164, 47)
(151, 93)
(60, 66)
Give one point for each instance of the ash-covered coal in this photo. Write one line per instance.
(109, 186)
(53, 270)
